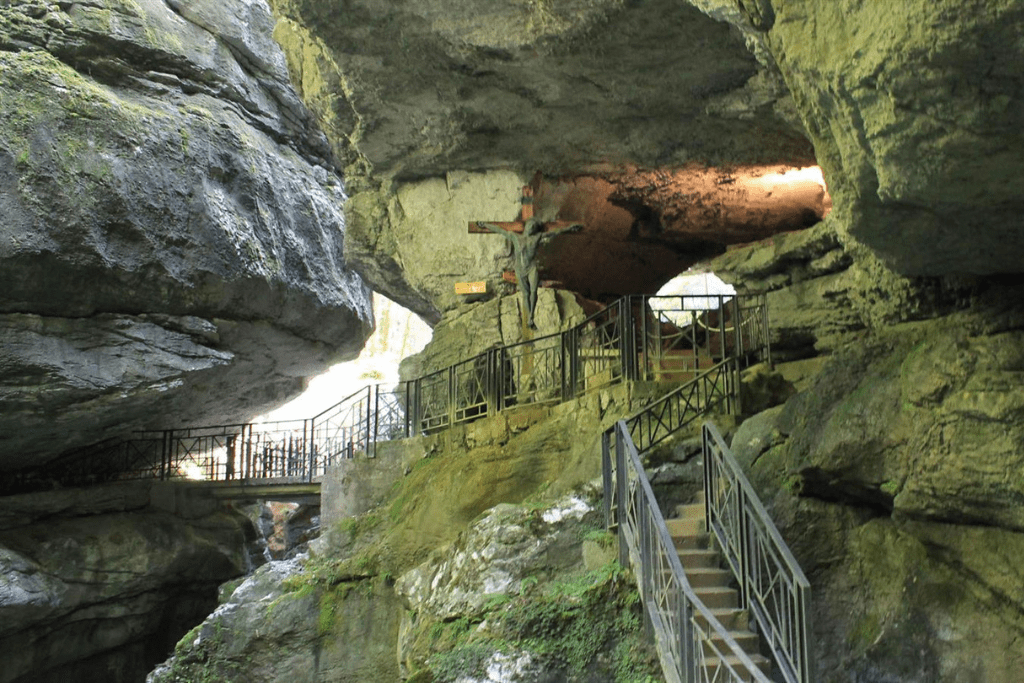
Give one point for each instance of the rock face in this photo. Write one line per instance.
(915, 112)
(441, 112)
(888, 472)
(413, 90)
(172, 243)
(100, 584)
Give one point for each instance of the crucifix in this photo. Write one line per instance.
(526, 236)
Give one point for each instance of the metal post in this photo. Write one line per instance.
(767, 330)
(574, 359)
(622, 503)
(451, 396)
(737, 327)
(646, 573)
(606, 479)
(721, 326)
(376, 419)
(645, 349)
(563, 373)
(627, 338)
(686, 637)
(706, 458)
(163, 456)
(307, 433)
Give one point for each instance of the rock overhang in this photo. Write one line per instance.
(172, 242)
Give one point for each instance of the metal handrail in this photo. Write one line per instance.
(773, 587)
(607, 347)
(692, 643)
(714, 388)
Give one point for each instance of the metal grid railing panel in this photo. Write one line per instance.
(692, 643)
(774, 587)
(608, 347)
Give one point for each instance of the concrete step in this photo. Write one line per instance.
(693, 542)
(761, 662)
(718, 597)
(748, 640)
(685, 526)
(734, 619)
(690, 510)
(708, 577)
(693, 558)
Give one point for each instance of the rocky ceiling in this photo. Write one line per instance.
(913, 111)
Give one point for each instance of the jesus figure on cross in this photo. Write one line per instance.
(524, 249)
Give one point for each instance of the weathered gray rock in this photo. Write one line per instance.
(413, 244)
(106, 585)
(507, 545)
(412, 91)
(172, 235)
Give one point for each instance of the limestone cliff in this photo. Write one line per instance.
(441, 111)
(171, 240)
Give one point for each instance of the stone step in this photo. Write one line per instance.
(713, 663)
(718, 597)
(692, 558)
(685, 526)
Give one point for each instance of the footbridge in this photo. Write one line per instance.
(717, 581)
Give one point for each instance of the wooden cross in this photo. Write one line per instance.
(525, 214)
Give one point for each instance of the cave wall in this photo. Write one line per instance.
(915, 110)
(172, 235)
(890, 472)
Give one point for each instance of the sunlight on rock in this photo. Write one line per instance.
(399, 333)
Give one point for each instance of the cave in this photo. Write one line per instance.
(199, 201)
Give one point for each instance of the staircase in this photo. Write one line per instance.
(713, 584)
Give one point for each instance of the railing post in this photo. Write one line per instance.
(645, 372)
(766, 329)
(307, 431)
(376, 417)
(563, 371)
(721, 326)
(737, 327)
(573, 359)
(686, 639)
(627, 333)
(623, 504)
(451, 396)
(646, 561)
(606, 479)
(163, 455)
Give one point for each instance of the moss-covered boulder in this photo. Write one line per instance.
(892, 476)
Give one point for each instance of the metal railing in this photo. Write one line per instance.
(773, 589)
(692, 643)
(716, 388)
(620, 342)
(772, 585)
